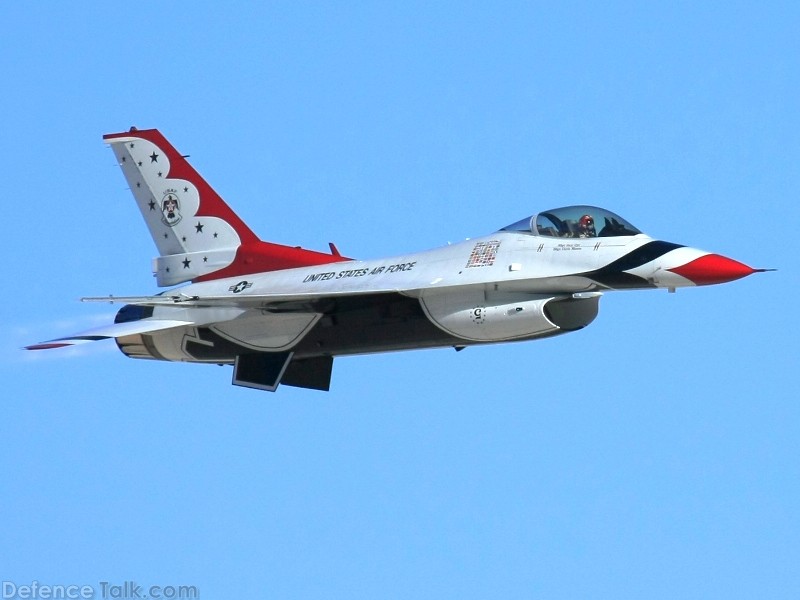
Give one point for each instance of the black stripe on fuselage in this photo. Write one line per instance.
(614, 275)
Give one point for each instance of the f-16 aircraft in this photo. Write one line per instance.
(281, 314)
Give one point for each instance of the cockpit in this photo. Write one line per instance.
(575, 222)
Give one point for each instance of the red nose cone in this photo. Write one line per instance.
(713, 268)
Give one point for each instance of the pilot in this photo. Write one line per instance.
(586, 227)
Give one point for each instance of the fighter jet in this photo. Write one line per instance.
(281, 314)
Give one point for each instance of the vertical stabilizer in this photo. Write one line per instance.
(197, 234)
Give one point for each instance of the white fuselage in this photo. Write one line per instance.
(503, 261)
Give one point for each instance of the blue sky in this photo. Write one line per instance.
(653, 454)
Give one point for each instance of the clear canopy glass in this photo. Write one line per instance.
(575, 222)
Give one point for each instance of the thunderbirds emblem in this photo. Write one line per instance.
(170, 209)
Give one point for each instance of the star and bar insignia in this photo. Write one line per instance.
(240, 287)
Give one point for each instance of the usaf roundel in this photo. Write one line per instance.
(170, 209)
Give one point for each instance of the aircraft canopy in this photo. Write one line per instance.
(575, 222)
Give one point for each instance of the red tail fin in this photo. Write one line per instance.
(197, 234)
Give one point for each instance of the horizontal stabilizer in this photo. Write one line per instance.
(114, 330)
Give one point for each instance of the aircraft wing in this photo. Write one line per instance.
(264, 301)
(286, 312)
(180, 310)
(229, 307)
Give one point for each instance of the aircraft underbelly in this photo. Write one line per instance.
(399, 324)
(358, 325)
(365, 325)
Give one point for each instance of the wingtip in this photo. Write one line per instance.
(47, 346)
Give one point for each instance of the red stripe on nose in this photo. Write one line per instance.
(713, 268)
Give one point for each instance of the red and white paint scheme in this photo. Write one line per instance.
(280, 314)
